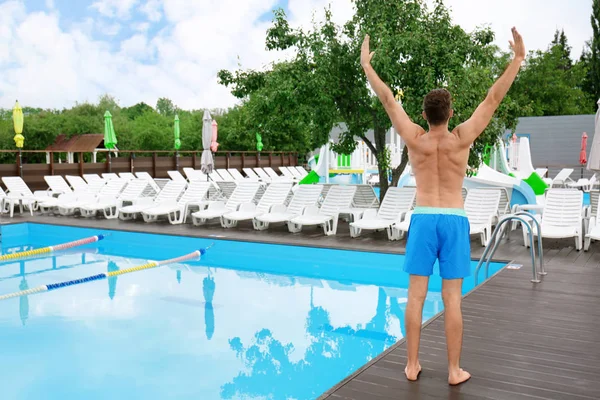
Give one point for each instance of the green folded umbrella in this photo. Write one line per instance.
(259, 143)
(110, 139)
(177, 141)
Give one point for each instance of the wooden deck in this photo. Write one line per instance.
(521, 340)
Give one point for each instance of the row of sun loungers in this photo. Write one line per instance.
(282, 201)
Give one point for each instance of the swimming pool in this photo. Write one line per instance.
(247, 321)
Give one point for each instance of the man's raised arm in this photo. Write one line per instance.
(400, 119)
(469, 130)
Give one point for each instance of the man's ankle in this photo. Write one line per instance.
(454, 369)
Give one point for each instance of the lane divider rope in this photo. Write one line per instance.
(50, 249)
(54, 286)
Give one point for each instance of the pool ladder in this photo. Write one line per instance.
(500, 227)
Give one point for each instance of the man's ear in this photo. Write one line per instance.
(451, 113)
(424, 115)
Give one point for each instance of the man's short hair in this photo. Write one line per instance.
(437, 105)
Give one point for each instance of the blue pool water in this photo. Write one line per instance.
(247, 321)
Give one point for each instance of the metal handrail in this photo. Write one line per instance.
(488, 254)
(542, 270)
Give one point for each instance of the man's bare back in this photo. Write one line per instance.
(439, 227)
(439, 163)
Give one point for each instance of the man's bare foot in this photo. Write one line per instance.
(459, 377)
(412, 373)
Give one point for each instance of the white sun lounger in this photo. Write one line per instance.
(263, 175)
(109, 205)
(271, 173)
(78, 184)
(237, 175)
(364, 199)
(339, 197)
(19, 193)
(304, 196)
(57, 185)
(275, 177)
(148, 177)
(244, 193)
(562, 217)
(481, 206)
(176, 176)
(195, 195)
(169, 194)
(285, 171)
(592, 230)
(303, 172)
(275, 195)
(110, 190)
(126, 175)
(252, 175)
(84, 192)
(8, 203)
(89, 178)
(16, 186)
(396, 203)
(109, 176)
(225, 175)
(562, 179)
(290, 172)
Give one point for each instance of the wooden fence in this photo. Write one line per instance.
(156, 163)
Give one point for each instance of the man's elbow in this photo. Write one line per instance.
(493, 99)
(388, 100)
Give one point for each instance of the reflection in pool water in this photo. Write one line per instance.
(224, 327)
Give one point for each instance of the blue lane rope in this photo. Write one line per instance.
(153, 264)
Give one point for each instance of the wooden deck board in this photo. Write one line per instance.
(521, 340)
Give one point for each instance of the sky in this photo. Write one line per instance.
(56, 53)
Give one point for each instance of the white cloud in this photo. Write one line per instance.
(181, 61)
(152, 9)
(136, 47)
(536, 20)
(141, 27)
(114, 8)
(109, 29)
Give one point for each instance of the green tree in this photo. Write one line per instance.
(151, 131)
(550, 84)
(137, 110)
(108, 102)
(564, 50)
(288, 105)
(234, 131)
(165, 107)
(418, 52)
(594, 76)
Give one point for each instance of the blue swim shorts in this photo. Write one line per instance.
(438, 234)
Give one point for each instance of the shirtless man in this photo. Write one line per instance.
(439, 228)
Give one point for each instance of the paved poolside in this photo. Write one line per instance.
(521, 340)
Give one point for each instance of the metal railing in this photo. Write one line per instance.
(488, 253)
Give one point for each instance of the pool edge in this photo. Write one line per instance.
(233, 239)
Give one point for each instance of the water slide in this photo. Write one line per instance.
(524, 184)
(321, 171)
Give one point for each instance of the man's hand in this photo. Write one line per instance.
(517, 45)
(469, 130)
(365, 56)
